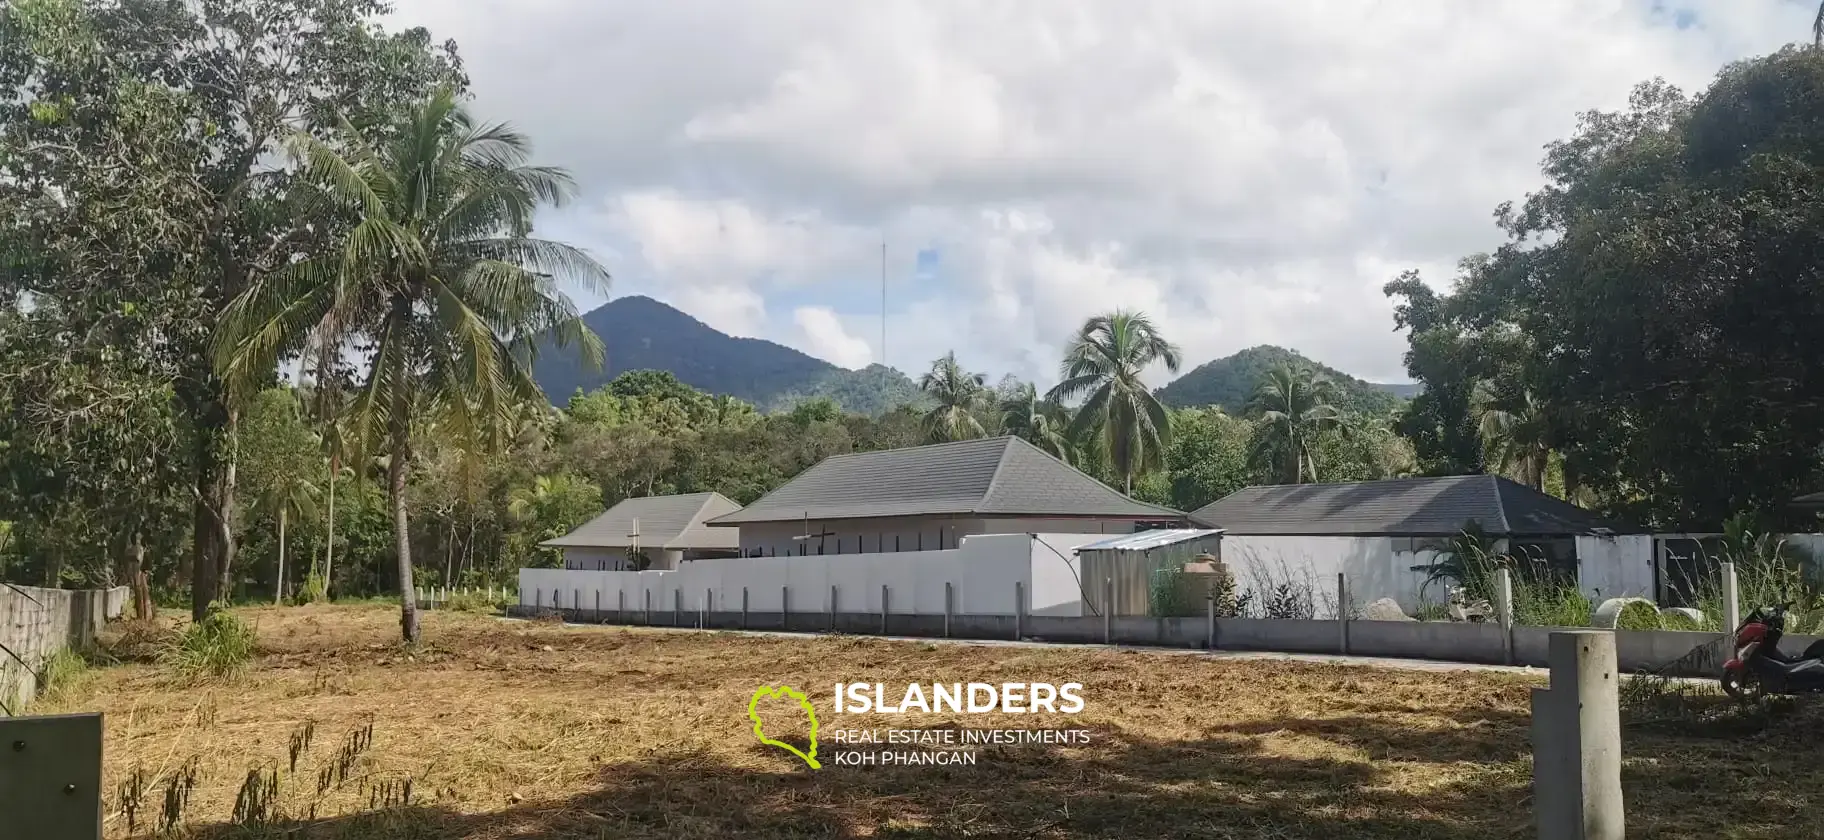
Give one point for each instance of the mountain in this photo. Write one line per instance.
(644, 334)
(1403, 390)
(1230, 382)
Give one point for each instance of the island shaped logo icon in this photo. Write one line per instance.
(753, 713)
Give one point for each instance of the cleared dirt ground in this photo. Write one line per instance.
(538, 730)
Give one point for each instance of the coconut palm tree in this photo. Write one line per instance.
(958, 394)
(439, 281)
(287, 494)
(1293, 404)
(1102, 366)
(1515, 432)
(1038, 421)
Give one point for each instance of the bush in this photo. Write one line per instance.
(218, 647)
(1637, 615)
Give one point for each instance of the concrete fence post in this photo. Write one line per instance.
(1732, 599)
(538, 598)
(576, 600)
(1209, 622)
(620, 606)
(1019, 609)
(1342, 613)
(883, 609)
(948, 606)
(703, 614)
(1504, 612)
(1576, 734)
(599, 618)
(744, 608)
(785, 607)
(677, 607)
(1108, 611)
(647, 594)
(832, 608)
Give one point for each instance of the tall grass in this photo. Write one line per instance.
(216, 648)
(1768, 572)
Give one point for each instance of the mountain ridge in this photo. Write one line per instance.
(642, 333)
(1229, 382)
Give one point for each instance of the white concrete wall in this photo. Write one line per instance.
(856, 536)
(983, 574)
(1615, 567)
(1375, 570)
(1057, 574)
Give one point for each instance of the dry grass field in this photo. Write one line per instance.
(506, 729)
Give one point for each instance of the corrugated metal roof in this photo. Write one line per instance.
(1400, 507)
(1003, 476)
(1150, 539)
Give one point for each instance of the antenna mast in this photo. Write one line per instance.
(883, 302)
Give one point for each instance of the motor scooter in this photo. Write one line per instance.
(1760, 668)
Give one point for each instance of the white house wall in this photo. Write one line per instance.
(854, 536)
(1373, 568)
(1615, 567)
(985, 574)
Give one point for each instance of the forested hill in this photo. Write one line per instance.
(644, 334)
(1229, 382)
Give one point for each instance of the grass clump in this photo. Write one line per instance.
(216, 648)
(474, 602)
(61, 673)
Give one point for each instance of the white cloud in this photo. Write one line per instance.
(825, 337)
(1246, 172)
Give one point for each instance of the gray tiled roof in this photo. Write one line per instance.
(1400, 507)
(674, 522)
(1002, 476)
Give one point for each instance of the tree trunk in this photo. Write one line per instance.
(278, 587)
(329, 545)
(136, 577)
(400, 425)
(226, 520)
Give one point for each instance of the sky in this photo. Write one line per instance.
(1243, 171)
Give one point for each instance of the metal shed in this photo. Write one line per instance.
(1144, 572)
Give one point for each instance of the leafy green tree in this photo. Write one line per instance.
(209, 90)
(1295, 416)
(554, 506)
(958, 395)
(1102, 366)
(441, 274)
(1208, 457)
(1037, 421)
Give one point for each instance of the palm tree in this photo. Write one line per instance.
(958, 394)
(1103, 365)
(1515, 432)
(1040, 422)
(287, 493)
(1295, 413)
(439, 281)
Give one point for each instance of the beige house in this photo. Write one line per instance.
(929, 497)
(668, 530)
